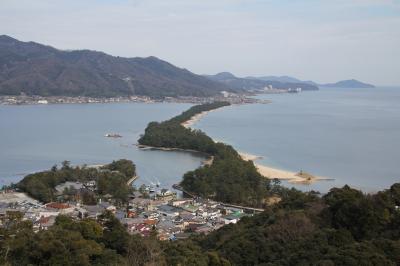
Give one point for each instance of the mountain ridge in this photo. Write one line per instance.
(36, 69)
(349, 83)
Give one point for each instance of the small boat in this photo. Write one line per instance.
(152, 190)
(112, 135)
(158, 184)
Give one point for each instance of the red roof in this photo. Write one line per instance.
(56, 205)
(150, 222)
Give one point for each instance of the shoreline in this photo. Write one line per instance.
(268, 172)
(194, 119)
(206, 161)
(50, 100)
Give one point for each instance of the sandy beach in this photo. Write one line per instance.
(266, 171)
(249, 157)
(195, 118)
(291, 177)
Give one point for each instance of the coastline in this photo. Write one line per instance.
(195, 118)
(207, 158)
(266, 171)
(147, 147)
(275, 173)
(44, 100)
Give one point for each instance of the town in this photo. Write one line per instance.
(148, 209)
(232, 98)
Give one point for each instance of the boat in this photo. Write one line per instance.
(112, 135)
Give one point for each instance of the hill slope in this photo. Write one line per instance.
(36, 69)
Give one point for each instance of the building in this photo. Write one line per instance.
(61, 208)
(168, 211)
(230, 219)
(45, 222)
(68, 185)
(166, 195)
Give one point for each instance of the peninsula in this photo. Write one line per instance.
(228, 179)
(266, 171)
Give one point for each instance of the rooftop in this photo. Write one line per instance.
(56, 205)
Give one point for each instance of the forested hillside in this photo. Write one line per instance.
(35, 69)
(343, 227)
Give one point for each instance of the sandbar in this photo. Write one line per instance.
(300, 177)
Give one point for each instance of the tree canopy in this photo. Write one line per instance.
(320, 231)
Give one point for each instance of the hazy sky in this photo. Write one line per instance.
(325, 40)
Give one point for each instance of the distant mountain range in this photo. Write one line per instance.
(280, 82)
(35, 69)
(351, 83)
(284, 79)
(254, 84)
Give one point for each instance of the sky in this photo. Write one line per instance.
(324, 41)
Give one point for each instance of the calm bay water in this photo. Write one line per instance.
(34, 138)
(351, 135)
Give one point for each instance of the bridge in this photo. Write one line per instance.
(131, 180)
(180, 188)
(242, 207)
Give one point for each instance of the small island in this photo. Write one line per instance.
(351, 83)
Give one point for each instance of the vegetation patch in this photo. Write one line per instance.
(111, 179)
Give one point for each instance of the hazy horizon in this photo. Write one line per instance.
(324, 42)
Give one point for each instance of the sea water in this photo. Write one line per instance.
(350, 135)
